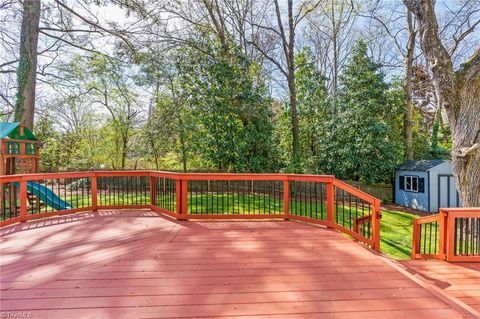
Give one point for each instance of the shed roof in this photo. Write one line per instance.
(421, 165)
(12, 130)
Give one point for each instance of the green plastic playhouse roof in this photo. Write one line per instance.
(12, 130)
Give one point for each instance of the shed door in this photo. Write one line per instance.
(447, 192)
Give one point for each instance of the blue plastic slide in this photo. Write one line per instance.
(47, 196)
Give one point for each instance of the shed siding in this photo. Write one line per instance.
(442, 169)
(412, 199)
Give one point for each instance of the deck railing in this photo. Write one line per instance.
(452, 235)
(317, 199)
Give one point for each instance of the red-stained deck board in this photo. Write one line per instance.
(460, 280)
(136, 264)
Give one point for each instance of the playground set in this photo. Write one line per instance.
(19, 154)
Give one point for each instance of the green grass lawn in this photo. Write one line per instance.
(396, 229)
(396, 226)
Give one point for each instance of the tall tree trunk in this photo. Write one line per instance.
(27, 67)
(466, 135)
(294, 117)
(460, 96)
(157, 165)
(437, 120)
(124, 149)
(335, 58)
(408, 114)
(291, 84)
(183, 148)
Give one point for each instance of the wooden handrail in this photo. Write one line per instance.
(181, 193)
(427, 219)
(355, 191)
(197, 176)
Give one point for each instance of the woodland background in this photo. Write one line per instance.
(328, 87)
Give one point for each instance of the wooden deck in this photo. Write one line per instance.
(459, 280)
(136, 264)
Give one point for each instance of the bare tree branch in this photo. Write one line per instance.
(462, 37)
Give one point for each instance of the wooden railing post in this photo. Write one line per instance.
(286, 198)
(449, 236)
(415, 239)
(94, 193)
(184, 197)
(178, 196)
(23, 200)
(153, 191)
(330, 202)
(442, 234)
(376, 225)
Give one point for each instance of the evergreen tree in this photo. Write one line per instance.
(233, 107)
(362, 144)
(311, 103)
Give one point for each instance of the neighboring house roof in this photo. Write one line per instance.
(12, 130)
(422, 165)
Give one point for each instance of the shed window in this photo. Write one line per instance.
(411, 183)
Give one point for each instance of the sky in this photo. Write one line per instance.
(111, 13)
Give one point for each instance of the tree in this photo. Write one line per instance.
(362, 144)
(332, 32)
(171, 125)
(312, 107)
(404, 40)
(229, 99)
(459, 92)
(27, 67)
(408, 68)
(286, 61)
(105, 83)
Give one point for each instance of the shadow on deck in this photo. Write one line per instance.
(137, 264)
(459, 280)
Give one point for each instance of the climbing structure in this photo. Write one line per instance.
(19, 150)
(19, 154)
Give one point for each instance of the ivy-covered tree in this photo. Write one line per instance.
(27, 66)
(361, 144)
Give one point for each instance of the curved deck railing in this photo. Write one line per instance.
(319, 199)
(453, 235)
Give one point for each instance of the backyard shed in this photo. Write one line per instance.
(426, 185)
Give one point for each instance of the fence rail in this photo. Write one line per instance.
(312, 198)
(382, 191)
(452, 235)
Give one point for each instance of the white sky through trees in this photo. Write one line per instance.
(111, 16)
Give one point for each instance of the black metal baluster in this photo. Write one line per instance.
(356, 208)
(298, 194)
(363, 216)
